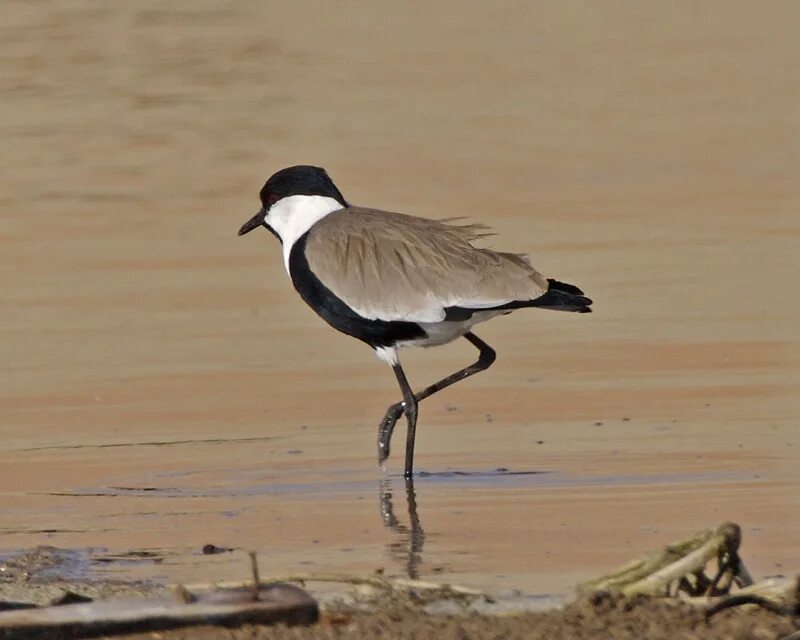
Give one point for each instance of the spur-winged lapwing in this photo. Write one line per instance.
(393, 280)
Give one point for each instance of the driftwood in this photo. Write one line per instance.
(251, 602)
(703, 571)
(223, 603)
(680, 567)
(378, 582)
(275, 603)
(779, 595)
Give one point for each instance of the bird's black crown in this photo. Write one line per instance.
(301, 180)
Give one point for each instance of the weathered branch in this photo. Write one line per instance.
(376, 581)
(653, 574)
(276, 603)
(779, 595)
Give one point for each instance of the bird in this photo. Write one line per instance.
(395, 281)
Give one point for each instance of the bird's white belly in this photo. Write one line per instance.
(443, 332)
(438, 333)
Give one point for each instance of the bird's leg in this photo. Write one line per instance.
(485, 359)
(410, 409)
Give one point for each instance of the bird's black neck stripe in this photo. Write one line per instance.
(376, 333)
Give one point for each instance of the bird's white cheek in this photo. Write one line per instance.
(293, 216)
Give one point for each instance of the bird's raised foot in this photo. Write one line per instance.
(385, 430)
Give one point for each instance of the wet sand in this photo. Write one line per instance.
(165, 388)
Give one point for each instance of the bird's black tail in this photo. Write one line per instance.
(561, 296)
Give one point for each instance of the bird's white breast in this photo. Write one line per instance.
(293, 216)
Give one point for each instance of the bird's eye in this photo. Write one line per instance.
(272, 198)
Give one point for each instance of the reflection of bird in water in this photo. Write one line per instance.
(407, 548)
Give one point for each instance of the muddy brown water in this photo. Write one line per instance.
(164, 388)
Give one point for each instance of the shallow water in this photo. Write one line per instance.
(164, 388)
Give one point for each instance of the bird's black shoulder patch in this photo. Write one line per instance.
(376, 333)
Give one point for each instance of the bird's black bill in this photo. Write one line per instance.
(256, 221)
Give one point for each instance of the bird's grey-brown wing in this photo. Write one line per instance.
(391, 266)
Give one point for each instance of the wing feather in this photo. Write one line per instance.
(391, 266)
